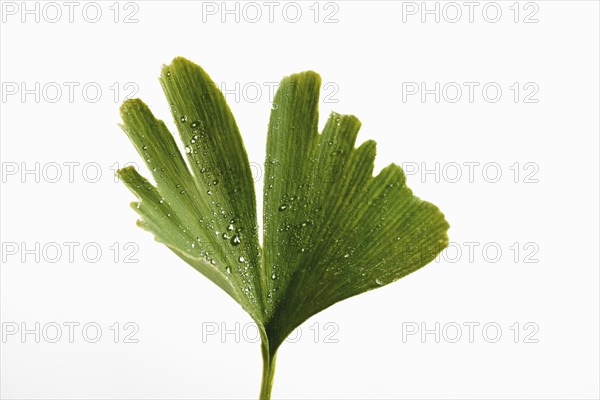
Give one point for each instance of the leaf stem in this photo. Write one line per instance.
(268, 371)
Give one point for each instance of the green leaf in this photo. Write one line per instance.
(213, 202)
(331, 229)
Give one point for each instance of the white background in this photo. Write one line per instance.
(368, 57)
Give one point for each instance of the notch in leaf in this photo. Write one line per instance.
(331, 230)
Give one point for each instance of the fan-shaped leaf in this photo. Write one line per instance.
(331, 229)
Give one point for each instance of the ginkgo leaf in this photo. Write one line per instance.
(213, 202)
(331, 230)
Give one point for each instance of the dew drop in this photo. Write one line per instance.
(273, 276)
(282, 207)
(188, 149)
(183, 118)
(306, 223)
(228, 270)
(379, 282)
(209, 192)
(236, 240)
(241, 259)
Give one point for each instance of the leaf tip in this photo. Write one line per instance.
(126, 171)
(131, 104)
(292, 86)
(179, 64)
(394, 174)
